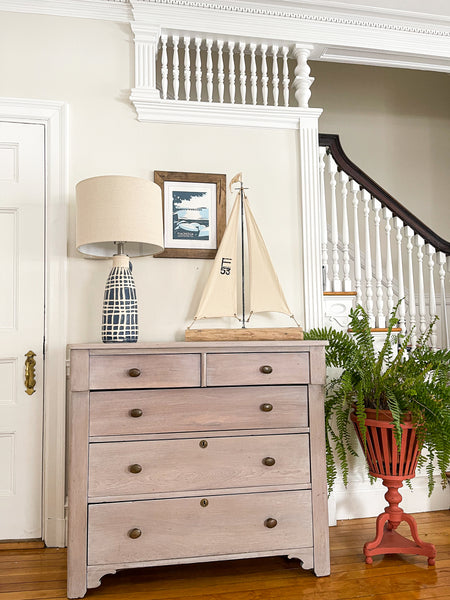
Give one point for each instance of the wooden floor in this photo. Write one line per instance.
(32, 573)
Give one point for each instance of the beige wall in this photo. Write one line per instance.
(88, 65)
(395, 125)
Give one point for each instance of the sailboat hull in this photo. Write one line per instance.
(247, 334)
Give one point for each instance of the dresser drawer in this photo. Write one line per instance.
(205, 409)
(132, 468)
(184, 528)
(142, 371)
(257, 368)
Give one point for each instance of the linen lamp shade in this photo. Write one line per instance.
(118, 208)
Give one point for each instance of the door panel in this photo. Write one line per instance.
(22, 195)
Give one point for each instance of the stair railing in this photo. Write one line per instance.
(375, 247)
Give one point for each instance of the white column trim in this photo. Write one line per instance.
(53, 116)
(308, 125)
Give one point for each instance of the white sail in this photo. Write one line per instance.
(219, 297)
(264, 289)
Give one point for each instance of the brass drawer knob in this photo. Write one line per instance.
(134, 533)
(266, 369)
(203, 444)
(270, 523)
(268, 461)
(136, 412)
(134, 372)
(204, 502)
(266, 407)
(135, 468)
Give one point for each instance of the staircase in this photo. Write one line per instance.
(377, 253)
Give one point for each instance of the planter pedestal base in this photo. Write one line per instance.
(389, 541)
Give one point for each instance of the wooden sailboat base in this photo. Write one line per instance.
(247, 334)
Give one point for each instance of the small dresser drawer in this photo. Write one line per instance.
(142, 371)
(257, 368)
(134, 468)
(123, 532)
(206, 409)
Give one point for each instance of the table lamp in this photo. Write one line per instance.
(119, 216)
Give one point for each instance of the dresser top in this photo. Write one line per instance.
(248, 345)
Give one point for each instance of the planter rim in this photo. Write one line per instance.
(383, 416)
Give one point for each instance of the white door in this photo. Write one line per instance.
(22, 193)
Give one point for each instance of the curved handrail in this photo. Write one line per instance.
(332, 141)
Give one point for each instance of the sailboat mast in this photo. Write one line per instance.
(242, 254)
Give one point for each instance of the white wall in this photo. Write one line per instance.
(89, 65)
(394, 124)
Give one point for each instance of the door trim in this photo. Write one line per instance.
(54, 117)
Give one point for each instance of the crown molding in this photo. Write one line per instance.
(339, 31)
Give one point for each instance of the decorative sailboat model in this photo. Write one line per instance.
(227, 281)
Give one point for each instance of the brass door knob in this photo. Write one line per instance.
(266, 369)
(270, 523)
(136, 412)
(135, 533)
(268, 461)
(134, 372)
(135, 468)
(266, 407)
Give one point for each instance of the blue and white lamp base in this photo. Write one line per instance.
(120, 313)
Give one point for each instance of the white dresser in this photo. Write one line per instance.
(191, 452)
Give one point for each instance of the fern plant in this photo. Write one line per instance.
(415, 381)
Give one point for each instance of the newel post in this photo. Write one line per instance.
(146, 40)
(310, 192)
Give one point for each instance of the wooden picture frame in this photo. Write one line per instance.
(194, 213)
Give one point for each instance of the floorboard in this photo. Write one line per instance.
(30, 572)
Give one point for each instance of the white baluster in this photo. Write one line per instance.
(332, 170)
(175, 67)
(420, 242)
(411, 292)
(231, 75)
(187, 69)
(398, 225)
(242, 74)
(343, 178)
(285, 51)
(380, 318)
(275, 78)
(323, 221)
(209, 70)
(387, 214)
(302, 81)
(220, 73)
(164, 67)
(369, 288)
(264, 77)
(444, 317)
(354, 189)
(253, 75)
(198, 69)
(432, 296)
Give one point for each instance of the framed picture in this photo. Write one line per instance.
(194, 212)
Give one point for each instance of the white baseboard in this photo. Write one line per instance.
(361, 499)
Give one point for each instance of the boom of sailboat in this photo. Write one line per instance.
(227, 282)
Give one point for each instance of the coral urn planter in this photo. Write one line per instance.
(393, 465)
